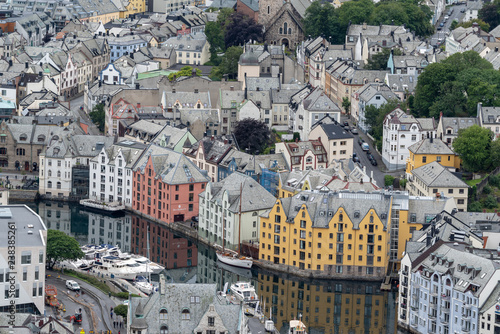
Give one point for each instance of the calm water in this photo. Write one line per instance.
(325, 306)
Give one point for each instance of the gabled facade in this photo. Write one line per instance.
(338, 143)
(489, 118)
(429, 150)
(304, 155)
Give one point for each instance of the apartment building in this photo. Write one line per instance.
(230, 210)
(400, 131)
(338, 143)
(448, 127)
(303, 155)
(27, 292)
(429, 150)
(166, 185)
(111, 172)
(489, 117)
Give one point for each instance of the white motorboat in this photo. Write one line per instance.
(244, 291)
(114, 267)
(234, 259)
(154, 268)
(242, 272)
(297, 327)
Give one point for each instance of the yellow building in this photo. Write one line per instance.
(133, 7)
(345, 235)
(326, 307)
(429, 150)
(333, 233)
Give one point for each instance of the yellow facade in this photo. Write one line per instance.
(332, 307)
(340, 248)
(420, 159)
(104, 18)
(282, 192)
(133, 7)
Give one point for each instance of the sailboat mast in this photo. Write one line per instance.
(147, 262)
(239, 220)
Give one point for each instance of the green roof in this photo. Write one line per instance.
(155, 73)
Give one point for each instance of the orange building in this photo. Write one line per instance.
(166, 185)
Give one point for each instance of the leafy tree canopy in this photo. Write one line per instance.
(324, 20)
(215, 32)
(121, 310)
(242, 29)
(98, 116)
(490, 13)
(483, 25)
(473, 145)
(379, 60)
(60, 247)
(252, 134)
(455, 86)
(228, 65)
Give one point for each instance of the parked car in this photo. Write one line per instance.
(462, 10)
(355, 159)
(72, 285)
(347, 128)
(354, 131)
(370, 156)
(360, 141)
(346, 123)
(374, 162)
(365, 147)
(441, 24)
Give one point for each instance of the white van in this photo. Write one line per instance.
(72, 285)
(365, 147)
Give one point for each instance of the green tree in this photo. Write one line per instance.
(453, 25)
(379, 60)
(483, 25)
(228, 65)
(473, 146)
(98, 116)
(242, 29)
(186, 71)
(122, 310)
(252, 134)
(346, 104)
(355, 12)
(495, 153)
(388, 180)
(60, 247)
(490, 14)
(215, 32)
(321, 20)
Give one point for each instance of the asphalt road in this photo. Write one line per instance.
(440, 35)
(94, 300)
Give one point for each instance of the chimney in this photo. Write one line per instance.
(138, 105)
(319, 139)
(364, 25)
(212, 138)
(231, 88)
(225, 141)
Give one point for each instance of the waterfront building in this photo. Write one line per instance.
(344, 234)
(166, 185)
(30, 236)
(184, 308)
(111, 172)
(64, 165)
(429, 150)
(233, 206)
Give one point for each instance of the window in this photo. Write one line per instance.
(163, 314)
(163, 329)
(26, 257)
(211, 321)
(185, 314)
(424, 159)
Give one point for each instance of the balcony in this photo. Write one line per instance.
(465, 329)
(444, 320)
(432, 315)
(466, 315)
(414, 322)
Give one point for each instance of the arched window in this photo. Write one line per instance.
(281, 30)
(285, 28)
(186, 315)
(58, 185)
(49, 184)
(58, 173)
(163, 329)
(41, 138)
(309, 159)
(163, 314)
(50, 173)
(371, 219)
(23, 137)
(289, 31)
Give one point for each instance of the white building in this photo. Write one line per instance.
(400, 131)
(27, 291)
(489, 118)
(222, 204)
(111, 172)
(62, 157)
(311, 109)
(443, 289)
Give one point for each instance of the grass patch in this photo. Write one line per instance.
(472, 183)
(94, 281)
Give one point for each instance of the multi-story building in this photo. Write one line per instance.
(121, 45)
(64, 165)
(435, 180)
(166, 185)
(489, 117)
(345, 234)
(230, 210)
(338, 143)
(111, 172)
(444, 287)
(311, 109)
(303, 155)
(24, 240)
(448, 127)
(400, 131)
(429, 150)
(191, 49)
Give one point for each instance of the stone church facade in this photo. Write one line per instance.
(282, 21)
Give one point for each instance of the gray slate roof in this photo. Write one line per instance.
(317, 100)
(435, 175)
(430, 146)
